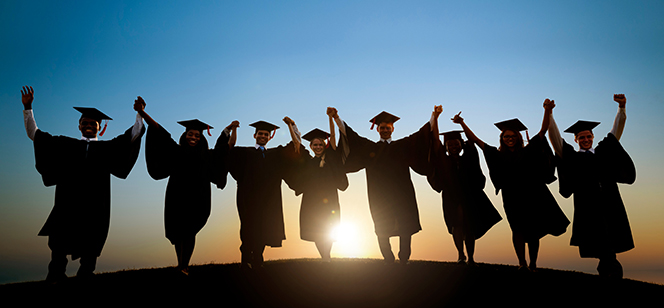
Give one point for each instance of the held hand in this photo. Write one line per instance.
(437, 110)
(620, 99)
(332, 112)
(288, 121)
(27, 95)
(235, 124)
(139, 104)
(457, 118)
(549, 104)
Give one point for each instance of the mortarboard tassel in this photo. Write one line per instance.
(104, 129)
(527, 137)
(373, 123)
(208, 129)
(273, 132)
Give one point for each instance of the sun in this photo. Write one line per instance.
(347, 241)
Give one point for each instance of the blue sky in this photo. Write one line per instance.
(221, 61)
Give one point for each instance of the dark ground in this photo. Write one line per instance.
(341, 283)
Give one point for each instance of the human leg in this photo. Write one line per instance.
(385, 248)
(404, 248)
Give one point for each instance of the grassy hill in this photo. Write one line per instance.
(341, 283)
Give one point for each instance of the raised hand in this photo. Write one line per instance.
(620, 99)
(457, 118)
(288, 121)
(332, 112)
(139, 104)
(549, 104)
(437, 110)
(27, 95)
(235, 124)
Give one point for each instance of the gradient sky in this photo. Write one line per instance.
(221, 61)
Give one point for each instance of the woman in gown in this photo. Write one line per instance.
(191, 167)
(522, 173)
(318, 179)
(467, 210)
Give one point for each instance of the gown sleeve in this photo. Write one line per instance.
(160, 150)
(418, 150)
(125, 152)
(493, 161)
(541, 159)
(616, 158)
(436, 175)
(360, 150)
(47, 156)
(293, 165)
(219, 155)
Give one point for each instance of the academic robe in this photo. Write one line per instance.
(319, 210)
(461, 182)
(190, 171)
(80, 170)
(601, 225)
(258, 175)
(391, 194)
(523, 176)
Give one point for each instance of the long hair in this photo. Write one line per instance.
(519, 141)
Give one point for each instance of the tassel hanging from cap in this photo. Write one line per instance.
(527, 137)
(208, 130)
(103, 129)
(373, 123)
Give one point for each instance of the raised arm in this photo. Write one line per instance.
(139, 106)
(27, 96)
(619, 122)
(295, 134)
(333, 132)
(548, 108)
(554, 132)
(469, 133)
(231, 130)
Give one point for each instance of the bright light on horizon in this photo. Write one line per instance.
(348, 243)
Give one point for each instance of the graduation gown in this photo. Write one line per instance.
(462, 185)
(258, 175)
(601, 225)
(81, 172)
(319, 210)
(523, 176)
(190, 171)
(391, 194)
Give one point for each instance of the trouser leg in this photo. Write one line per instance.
(88, 265)
(386, 248)
(58, 266)
(404, 248)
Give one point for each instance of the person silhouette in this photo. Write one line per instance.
(258, 171)
(467, 211)
(318, 179)
(80, 169)
(601, 228)
(522, 174)
(387, 164)
(190, 166)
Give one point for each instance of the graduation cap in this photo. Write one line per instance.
(95, 114)
(451, 135)
(580, 126)
(196, 124)
(513, 124)
(262, 125)
(315, 133)
(383, 117)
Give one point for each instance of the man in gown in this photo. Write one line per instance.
(391, 194)
(601, 227)
(80, 169)
(258, 172)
